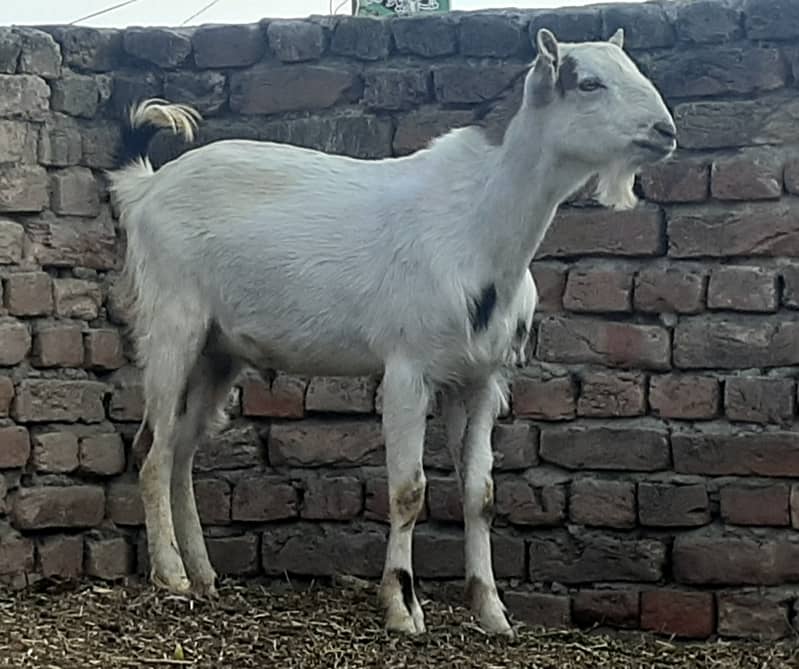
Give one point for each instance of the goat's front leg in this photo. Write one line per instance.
(405, 401)
(478, 509)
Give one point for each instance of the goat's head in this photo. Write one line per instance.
(597, 110)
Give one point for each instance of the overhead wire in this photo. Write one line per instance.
(200, 11)
(103, 11)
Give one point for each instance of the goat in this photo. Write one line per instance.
(273, 256)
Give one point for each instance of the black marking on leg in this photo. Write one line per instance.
(406, 585)
(521, 331)
(183, 401)
(482, 308)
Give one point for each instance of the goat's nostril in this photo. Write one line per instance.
(666, 129)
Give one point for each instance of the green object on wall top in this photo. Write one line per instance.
(402, 7)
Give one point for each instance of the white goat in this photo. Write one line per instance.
(280, 257)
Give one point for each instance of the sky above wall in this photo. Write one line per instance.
(175, 12)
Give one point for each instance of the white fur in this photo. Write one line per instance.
(327, 265)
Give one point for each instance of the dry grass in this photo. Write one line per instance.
(277, 627)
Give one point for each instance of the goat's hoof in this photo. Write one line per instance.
(496, 623)
(178, 586)
(399, 619)
(205, 590)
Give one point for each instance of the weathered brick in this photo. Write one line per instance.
(124, 503)
(492, 35)
(15, 446)
(60, 142)
(104, 349)
(759, 400)
(707, 21)
(669, 289)
(376, 500)
(85, 48)
(102, 454)
(6, 395)
(10, 48)
(23, 188)
(590, 557)
(718, 451)
(544, 396)
(755, 174)
(60, 555)
(58, 506)
(682, 614)
(228, 45)
(15, 341)
(163, 46)
(70, 241)
(55, 452)
(598, 290)
(205, 91)
(749, 504)
(341, 394)
(444, 499)
(426, 36)
(11, 239)
(320, 550)
(673, 504)
(539, 609)
(637, 446)
(538, 499)
(614, 344)
(213, 499)
(645, 26)
(58, 344)
(791, 173)
(77, 298)
(76, 95)
(28, 294)
(415, 129)
(332, 498)
(465, 83)
(283, 399)
(296, 41)
(16, 553)
(361, 38)
(101, 141)
(771, 19)
(759, 615)
(570, 24)
(742, 289)
(236, 447)
(735, 343)
(40, 53)
(515, 446)
(108, 558)
(602, 503)
(310, 443)
(127, 397)
(234, 556)
(618, 608)
(794, 505)
(19, 142)
(684, 396)
(550, 282)
(676, 181)
(263, 498)
(605, 394)
(24, 96)
(45, 400)
(74, 192)
(395, 88)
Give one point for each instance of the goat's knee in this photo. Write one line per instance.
(478, 499)
(407, 500)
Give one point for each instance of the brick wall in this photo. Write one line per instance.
(645, 475)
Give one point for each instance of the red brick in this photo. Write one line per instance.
(550, 281)
(6, 395)
(16, 553)
(602, 503)
(759, 400)
(684, 396)
(127, 397)
(59, 506)
(310, 443)
(341, 394)
(234, 556)
(60, 556)
(539, 609)
(673, 504)
(213, 500)
(15, 342)
(15, 447)
(753, 615)
(617, 608)
(590, 557)
(637, 447)
(102, 454)
(755, 505)
(543, 397)
(124, 504)
(108, 558)
(55, 452)
(683, 614)
(284, 399)
(104, 349)
(515, 446)
(77, 298)
(58, 344)
(614, 344)
(29, 294)
(676, 181)
(719, 451)
(605, 394)
(333, 498)
(670, 289)
(534, 501)
(723, 230)
(601, 231)
(264, 498)
(752, 174)
(237, 447)
(45, 400)
(742, 289)
(598, 290)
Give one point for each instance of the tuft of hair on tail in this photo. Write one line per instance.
(147, 117)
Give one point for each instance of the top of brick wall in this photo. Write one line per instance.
(503, 33)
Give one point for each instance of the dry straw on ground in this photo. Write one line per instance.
(252, 625)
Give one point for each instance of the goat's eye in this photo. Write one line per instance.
(589, 85)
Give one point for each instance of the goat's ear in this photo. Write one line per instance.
(539, 87)
(617, 38)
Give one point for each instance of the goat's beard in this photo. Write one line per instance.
(614, 186)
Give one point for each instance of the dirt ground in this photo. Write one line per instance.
(287, 627)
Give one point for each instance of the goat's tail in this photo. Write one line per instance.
(147, 117)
